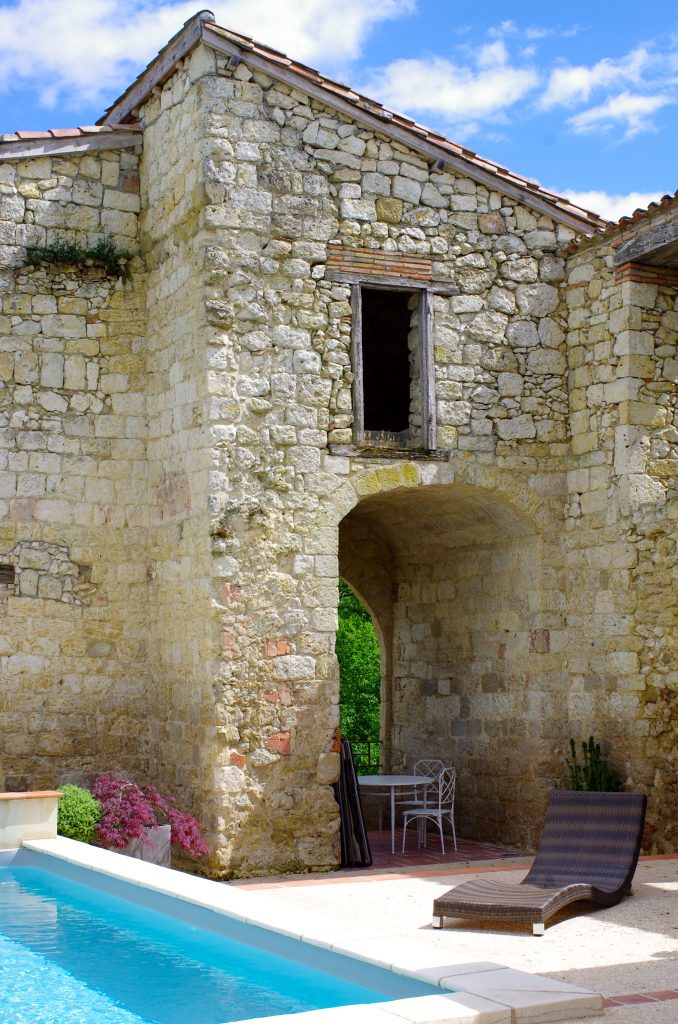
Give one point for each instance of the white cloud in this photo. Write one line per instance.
(458, 93)
(75, 50)
(612, 206)
(570, 85)
(632, 111)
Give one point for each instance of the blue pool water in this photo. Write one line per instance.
(71, 954)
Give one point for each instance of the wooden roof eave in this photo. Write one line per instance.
(158, 71)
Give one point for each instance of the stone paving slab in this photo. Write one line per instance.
(623, 950)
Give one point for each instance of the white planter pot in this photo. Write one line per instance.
(159, 851)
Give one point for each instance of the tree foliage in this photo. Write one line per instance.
(357, 650)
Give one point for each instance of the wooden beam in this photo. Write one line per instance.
(77, 144)
(369, 280)
(427, 372)
(652, 245)
(405, 454)
(357, 359)
(159, 70)
(409, 139)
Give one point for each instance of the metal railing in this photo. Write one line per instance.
(366, 756)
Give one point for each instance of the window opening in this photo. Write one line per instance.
(393, 390)
(387, 370)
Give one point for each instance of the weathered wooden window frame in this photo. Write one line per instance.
(427, 376)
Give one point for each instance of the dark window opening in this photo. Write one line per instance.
(386, 325)
(7, 575)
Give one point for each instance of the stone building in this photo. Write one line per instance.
(344, 345)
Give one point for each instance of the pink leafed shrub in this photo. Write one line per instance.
(129, 810)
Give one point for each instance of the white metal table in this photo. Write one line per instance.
(391, 783)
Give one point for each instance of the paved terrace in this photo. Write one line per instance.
(629, 953)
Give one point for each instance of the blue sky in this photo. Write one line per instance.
(583, 97)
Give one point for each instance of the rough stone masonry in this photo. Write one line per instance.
(187, 463)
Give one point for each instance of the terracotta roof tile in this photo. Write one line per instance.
(203, 28)
(69, 133)
(613, 228)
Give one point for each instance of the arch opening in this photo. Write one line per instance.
(454, 577)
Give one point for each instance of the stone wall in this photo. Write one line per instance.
(621, 525)
(286, 176)
(179, 492)
(72, 475)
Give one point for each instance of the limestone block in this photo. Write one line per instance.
(639, 489)
(550, 334)
(390, 211)
(294, 666)
(464, 304)
(516, 428)
(646, 414)
(407, 189)
(639, 343)
(510, 384)
(522, 333)
(492, 223)
(636, 366)
(376, 184)
(633, 293)
(358, 209)
(594, 501)
(116, 200)
(581, 274)
(546, 361)
(502, 300)
(522, 269)
(52, 370)
(537, 299)
(490, 326)
(432, 197)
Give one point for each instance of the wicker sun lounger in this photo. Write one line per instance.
(588, 851)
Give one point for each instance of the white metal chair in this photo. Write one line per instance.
(438, 812)
(421, 796)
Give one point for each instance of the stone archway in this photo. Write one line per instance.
(452, 573)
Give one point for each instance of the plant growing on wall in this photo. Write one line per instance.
(105, 253)
(594, 774)
(128, 811)
(78, 814)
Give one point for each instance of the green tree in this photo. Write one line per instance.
(357, 650)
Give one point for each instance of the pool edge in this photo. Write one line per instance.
(484, 993)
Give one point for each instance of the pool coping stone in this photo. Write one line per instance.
(484, 992)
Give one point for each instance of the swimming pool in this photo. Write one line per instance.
(79, 948)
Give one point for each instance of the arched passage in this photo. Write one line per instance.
(452, 575)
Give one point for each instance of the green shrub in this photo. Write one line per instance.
(78, 814)
(595, 774)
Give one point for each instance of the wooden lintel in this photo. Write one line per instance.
(384, 124)
(654, 245)
(404, 454)
(370, 280)
(26, 148)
